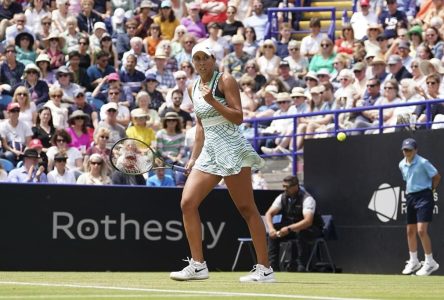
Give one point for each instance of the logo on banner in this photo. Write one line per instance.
(385, 202)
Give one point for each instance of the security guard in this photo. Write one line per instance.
(300, 222)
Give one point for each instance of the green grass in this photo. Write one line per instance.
(107, 285)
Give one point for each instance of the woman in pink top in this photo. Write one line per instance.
(80, 138)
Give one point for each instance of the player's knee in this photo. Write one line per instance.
(422, 232)
(246, 211)
(187, 205)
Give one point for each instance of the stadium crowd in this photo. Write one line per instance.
(76, 76)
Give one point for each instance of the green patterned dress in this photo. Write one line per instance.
(225, 150)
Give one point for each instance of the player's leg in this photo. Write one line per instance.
(196, 188)
(413, 263)
(241, 191)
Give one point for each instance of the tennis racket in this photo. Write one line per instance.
(134, 157)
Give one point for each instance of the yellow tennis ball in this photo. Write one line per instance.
(341, 136)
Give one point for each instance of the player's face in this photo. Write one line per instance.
(409, 153)
(203, 62)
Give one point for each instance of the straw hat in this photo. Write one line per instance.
(54, 35)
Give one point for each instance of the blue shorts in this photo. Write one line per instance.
(420, 207)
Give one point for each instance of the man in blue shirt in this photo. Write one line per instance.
(421, 179)
(31, 171)
(160, 179)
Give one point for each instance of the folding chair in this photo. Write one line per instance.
(320, 247)
(7, 165)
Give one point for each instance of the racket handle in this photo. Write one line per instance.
(178, 168)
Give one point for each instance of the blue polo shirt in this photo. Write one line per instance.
(418, 174)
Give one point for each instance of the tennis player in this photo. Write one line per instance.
(219, 151)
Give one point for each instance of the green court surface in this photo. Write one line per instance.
(113, 285)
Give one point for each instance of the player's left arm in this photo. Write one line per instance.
(435, 181)
(229, 87)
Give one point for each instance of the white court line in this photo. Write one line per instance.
(108, 296)
(208, 293)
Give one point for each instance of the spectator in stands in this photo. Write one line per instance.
(300, 222)
(72, 35)
(188, 68)
(79, 74)
(390, 18)
(420, 205)
(81, 104)
(360, 20)
(78, 130)
(143, 19)
(347, 89)
(101, 69)
(404, 53)
(170, 141)
(311, 44)
(144, 61)
(117, 131)
(176, 42)
(11, 71)
(43, 62)
(123, 113)
(87, 17)
(60, 141)
(249, 99)
(61, 174)
(167, 20)
(346, 43)
(139, 129)
(251, 44)
(85, 53)
(286, 77)
(160, 179)
(436, 9)
(193, 23)
(181, 84)
(123, 39)
(3, 174)
(64, 81)
(28, 109)
(157, 99)
(43, 33)
(371, 43)
(324, 59)
(31, 171)
(60, 16)
(215, 42)
(323, 76)
(188, 41)
(232, 26)
(54, 45)
(396, 68)
(213, 11)
(15, 134)
(58, 111)
(360, 83)
(171, 61)
(18, 26)
(152, 39)
(433, 92)
(434, 42)
(131, 77)
(415, 37)
(44, 128)
(36, 10)
(311, 80)
(378, 68)
(235, 61)
(177, 96)
(298, 63)
(143, 101)
(24, 45)
(258, 20)
(252, 70)
(279, 126)
(268, 61)
(417, 74)
(284, 39)
(99, 146)
(8, 8)
(96, 172)
(164, 77)
(119, 178)
(107, 46)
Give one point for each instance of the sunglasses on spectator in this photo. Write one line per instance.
(105, 137)
(96, 163)
(186, 67)
(414, 66)
(371, 85)
(294, 49)
(389, 88)
(22, 94)
(60, 141)
(46, 23)
(131, 27)
(80, 95)
(15, 110)
(10, 51)
(60, 160)
(431, 82)
(284, 102)
(189, 42)
(83, 43)
(32, 72)
(325, 45)
(111, 110)
(57, 96)
(79, 118)
(63, 75)
(268, 46)
(114, 93)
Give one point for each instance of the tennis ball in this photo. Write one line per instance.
(341, 136)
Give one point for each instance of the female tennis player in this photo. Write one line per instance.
(219, 151)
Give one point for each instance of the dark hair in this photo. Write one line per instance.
(177, 91)
(376, 79)
(62, 133)
(435, 77)
(328, 86)
(37, 122)
(252, 30)
(291, 180)
(73, 53)
(315, 22)
(101, 54)
(171, 17)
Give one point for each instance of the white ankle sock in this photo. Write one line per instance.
(413, 256)
(429, 257)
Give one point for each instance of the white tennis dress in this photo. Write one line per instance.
(225, 150)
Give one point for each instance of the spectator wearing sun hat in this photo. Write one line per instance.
(54, 45)
(144, 18)
(166, 19)
(30, 171)
(38, 89)
(235, 61)
(139, 129)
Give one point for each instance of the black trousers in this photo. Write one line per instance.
(302, 243)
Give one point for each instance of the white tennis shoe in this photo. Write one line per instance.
(428, 268)
(259, 273)
(194, 271)
(411, 267)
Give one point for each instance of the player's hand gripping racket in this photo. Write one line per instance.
(134, 157)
